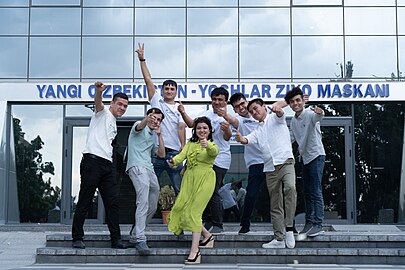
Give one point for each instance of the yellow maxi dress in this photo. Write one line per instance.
(196, 188)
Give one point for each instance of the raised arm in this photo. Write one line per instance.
(186, 118)
(98, 98)
(145, 71)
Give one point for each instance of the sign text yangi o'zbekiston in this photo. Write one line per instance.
(200, 92)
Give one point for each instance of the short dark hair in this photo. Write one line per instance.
(220, 91)
(235, 97)
(203, 119)
(120, 95)
(292, 93)
(257, 101)
(156, 111)
(169, 82)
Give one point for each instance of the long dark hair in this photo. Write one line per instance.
(203, 119)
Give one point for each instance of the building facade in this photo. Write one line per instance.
(347, 54)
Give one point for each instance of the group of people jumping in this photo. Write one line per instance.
(157, 143)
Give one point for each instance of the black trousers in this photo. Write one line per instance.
(214, 210)
(96, 173)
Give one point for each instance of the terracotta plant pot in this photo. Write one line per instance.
(164, 216)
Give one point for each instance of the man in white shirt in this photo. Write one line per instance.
(96, 168)
(305, 130)
(212, 216)
(273, 139)
(173, 127)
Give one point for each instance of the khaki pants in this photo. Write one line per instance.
(281, 187)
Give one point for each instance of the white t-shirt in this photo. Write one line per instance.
(223, 159)
(273, 138)
(101, 133)
(253, 154)
(169, 125)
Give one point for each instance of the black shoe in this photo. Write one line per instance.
(244, 230)
(78, 244)
(118, 245)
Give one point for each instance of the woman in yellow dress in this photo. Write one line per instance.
(196, 189)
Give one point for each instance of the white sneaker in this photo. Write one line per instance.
(289, 239)
(274, 244)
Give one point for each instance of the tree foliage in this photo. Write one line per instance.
(36, 196)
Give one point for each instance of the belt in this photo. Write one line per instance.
(170, 150)
(99, 159)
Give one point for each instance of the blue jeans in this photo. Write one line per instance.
(256, 178)
(313, 198)
(160, 165)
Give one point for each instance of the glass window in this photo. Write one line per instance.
(56, 2)
(13, 57)
(316, 57)
(376, 21)
(401, 57)
(165, 57)
(208, 3)
(211, 21)
(160, 21)
(401, 20)
(55, 21)
(263, 3)
(160, 3)
(107, 21)
(264, 21)
(107, 57)
(265, 57)
(108, 3)
(311, 21)
(372, 56)
(316, 2)
(55, 57)
(14, 21)
(212, 57)
(16, 3)
(401, 2)
(370, 2)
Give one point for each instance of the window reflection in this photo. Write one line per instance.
(264, 21)
(370, 2)
(378, 21)
(208, 3)
(401, 20)
(151, 3)
(107, 21)
(56, 3)
(108, 3)
(107, 57)
(13, 57)
(55, 21)
(401, 56)
(212, 21)
(14, 21)
(263, 3)
(267, 57)
(166, 57)
(212, 57)
(316, 57)
(316, 2)
(311, 21)
(55, 57)
(159, 21)
(371, 56)
(14, 3)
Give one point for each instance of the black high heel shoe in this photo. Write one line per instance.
(209, 243)
(196, 260)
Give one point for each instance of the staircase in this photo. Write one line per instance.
(341, 244)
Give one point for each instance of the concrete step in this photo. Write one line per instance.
(226, 255)
(251, 240)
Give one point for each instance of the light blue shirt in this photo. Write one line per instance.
(140, 147)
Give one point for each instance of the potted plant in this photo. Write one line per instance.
(167, 197)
